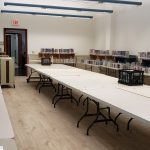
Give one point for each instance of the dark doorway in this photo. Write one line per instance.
(15, 45)
(8, 45)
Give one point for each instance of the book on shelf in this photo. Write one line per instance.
(99, 52)
(148, 55)
(120, 53)
(71, 50)
(56, 51)
(50, 51)
(60, 51)
(91, 51)
(145, 55)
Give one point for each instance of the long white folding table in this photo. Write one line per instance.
(6, 130)
(7, 144)
(132, 100)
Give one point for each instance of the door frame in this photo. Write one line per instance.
(9, 43)
(26, 38)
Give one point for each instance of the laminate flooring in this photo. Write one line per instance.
(38, 126)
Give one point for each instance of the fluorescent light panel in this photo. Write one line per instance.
(57, 7)
(46, 14)
(117, 2)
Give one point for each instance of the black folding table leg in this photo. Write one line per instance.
(28, 79)
(75, 100)
(84, 101)
(57, 94)
(128, 125)
(57, 101)
(54, 87)
(42, 81)
(41, 87)
(51, 82)
(115, 121)
(54, 99)
(80, 98)
(95, 120)
(39, 82)
(72, 98)
(85, 114)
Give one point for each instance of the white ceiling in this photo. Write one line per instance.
(69, 3)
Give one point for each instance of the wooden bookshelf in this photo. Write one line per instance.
(64, 56)
(56, 56)
(48, 55)
(123, 54)
(144, 55)
(100, 55)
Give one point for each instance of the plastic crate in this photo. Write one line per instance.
(131, 77)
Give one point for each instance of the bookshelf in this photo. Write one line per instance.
(144, 55)
(98, 60)
(123, 54)
(144, 58)
(100, 54)
(65, 56)
(124, 57)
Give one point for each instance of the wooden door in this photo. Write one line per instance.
(20, 49)
(8, 45)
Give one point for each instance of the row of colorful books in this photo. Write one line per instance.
(99, 52)
(57, 51)
(111, 64)
(120, 53)
(105, 63)
(141, 68)
(144, 55)
(107, 52)
(71, 60)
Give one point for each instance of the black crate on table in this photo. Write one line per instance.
(131, 77)
(46, 61)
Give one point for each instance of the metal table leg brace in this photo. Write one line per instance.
(63, 93)
(30, 76)
(45, 82)
(98, 114)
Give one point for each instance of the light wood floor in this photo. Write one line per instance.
(38, 126)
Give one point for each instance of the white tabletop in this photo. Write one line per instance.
(129, 102)
(8, 144)
(53, 66)
(124, 100)
(6, 131)
(143, 90)
(102, 88)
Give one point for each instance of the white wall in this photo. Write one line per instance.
(102, 32)
(53, 32)
(128, 28)
(131, 29)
